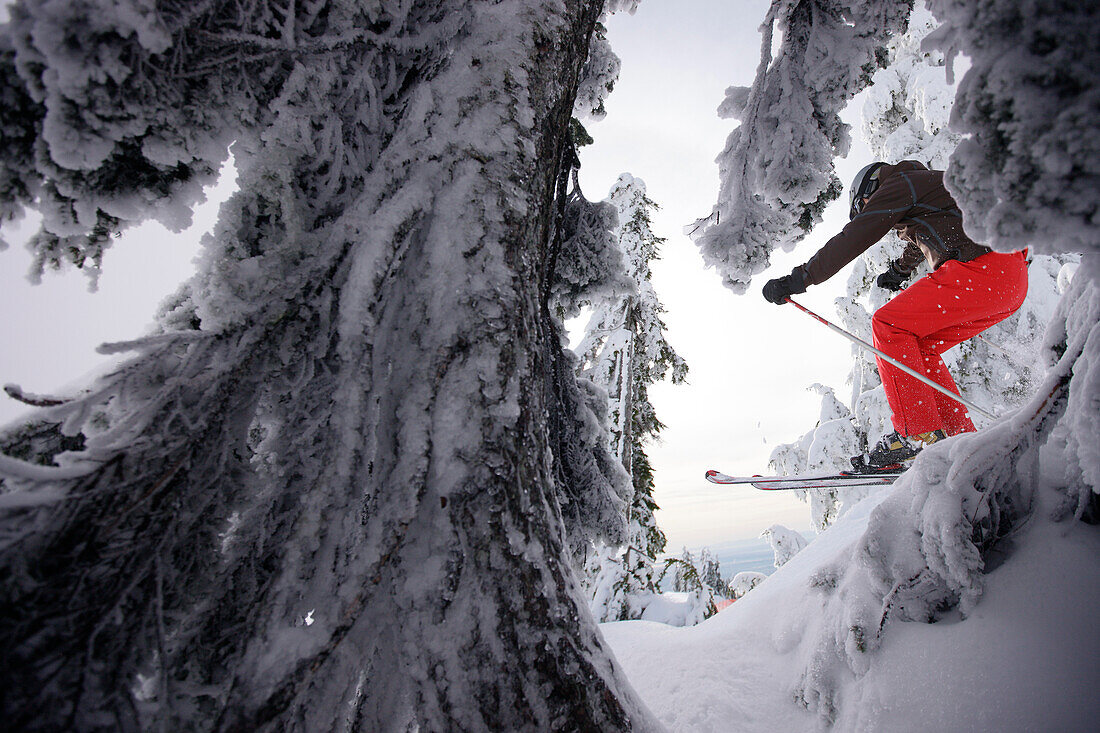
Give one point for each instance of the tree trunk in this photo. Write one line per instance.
(627, 387)
(336, 508)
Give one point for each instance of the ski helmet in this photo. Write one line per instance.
(864, 185)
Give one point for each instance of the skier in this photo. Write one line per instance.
(970, 288)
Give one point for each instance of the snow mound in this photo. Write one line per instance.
(1024, 658)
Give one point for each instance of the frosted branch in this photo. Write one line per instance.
(776, 171)
(150, 342)
(16, 393)
(17, 469)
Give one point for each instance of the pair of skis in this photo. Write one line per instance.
(841, 480)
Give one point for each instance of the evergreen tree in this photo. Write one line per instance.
(621, 582)
(710, 571)
(743, 582)
(338, 488)
(687, 578)
(786, 543)
(624, 350)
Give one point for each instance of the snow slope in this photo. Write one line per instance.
(1027, 658)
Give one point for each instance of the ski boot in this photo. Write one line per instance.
(894, 450)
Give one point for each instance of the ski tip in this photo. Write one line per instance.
(712, 474)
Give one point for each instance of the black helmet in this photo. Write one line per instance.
(864, 185)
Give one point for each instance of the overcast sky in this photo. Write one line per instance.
(751, 362)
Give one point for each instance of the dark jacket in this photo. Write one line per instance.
(911, 200)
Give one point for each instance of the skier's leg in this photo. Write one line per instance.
(1000, 283)
(953, 415)
(955, 302)
(897, 328)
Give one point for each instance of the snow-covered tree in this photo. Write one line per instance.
(1028, 175)
(710, 571)
(786, 543)
(681, 572)
(621, 581)
(598, 78)
(827, 447)
(743, 582)
(623, 351)
(625, 585)
(683, 575)
(908, 107)
(905, 117)
(338, 487)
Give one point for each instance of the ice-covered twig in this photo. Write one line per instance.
(17, 469)
(118, 347)
(35, 400)
(27, 499)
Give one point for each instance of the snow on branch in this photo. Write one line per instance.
(130, 117)
(1028, 172)
(36, 400)
(776, 172)
(621, 6)
(16, 469)
(598, 77)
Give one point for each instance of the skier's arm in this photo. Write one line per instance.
(886, 207)
(900, 269)
(909, 260)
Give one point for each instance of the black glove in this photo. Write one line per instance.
(778, 290)
(892, 279)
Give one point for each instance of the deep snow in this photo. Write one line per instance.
(1026, 659)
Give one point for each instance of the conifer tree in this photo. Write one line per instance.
(339, 487)
(688, 576)
(710, 571)
(743, 582)
(624, 350)
(685, 576)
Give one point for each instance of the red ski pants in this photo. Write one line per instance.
(957, 301)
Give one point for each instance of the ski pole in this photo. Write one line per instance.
(915, 374)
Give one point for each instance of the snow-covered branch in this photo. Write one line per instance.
(1028, 172)
(776, 172)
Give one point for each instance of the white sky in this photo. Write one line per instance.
(751, 362)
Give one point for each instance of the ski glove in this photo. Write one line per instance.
(778, 290)
(892, 279)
